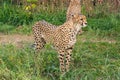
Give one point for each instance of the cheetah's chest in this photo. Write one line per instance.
(73, 34)
(72, 39)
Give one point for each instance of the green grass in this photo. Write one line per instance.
(17, 15)
(90, 61)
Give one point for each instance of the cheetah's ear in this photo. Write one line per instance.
(74, 15)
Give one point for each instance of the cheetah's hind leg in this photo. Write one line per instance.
(39, 44)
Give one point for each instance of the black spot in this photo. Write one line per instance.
(66, 56)
(62, 64)
(70, 48)
(61, 55)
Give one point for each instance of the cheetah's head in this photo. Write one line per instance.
(79, 20)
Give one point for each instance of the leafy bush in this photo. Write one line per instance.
(18, 15)
(14, 15)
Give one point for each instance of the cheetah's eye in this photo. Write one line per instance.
(81, 19)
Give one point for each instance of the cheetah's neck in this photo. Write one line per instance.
(77, 27)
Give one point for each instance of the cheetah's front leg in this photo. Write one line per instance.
(68, 58)
(61, 61)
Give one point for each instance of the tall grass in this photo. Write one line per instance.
(90, 61)
(108, 25)
(18, 15)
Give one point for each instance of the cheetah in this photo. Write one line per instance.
(62, 38)
(74, 8)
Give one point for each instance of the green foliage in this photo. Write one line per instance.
(4, 28)
(104, 27)
(14, 16)
(18, 15)
(24, 29)
(92, 61)
(56, 18)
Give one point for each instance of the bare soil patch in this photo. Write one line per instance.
(20, 40)
(15, 39)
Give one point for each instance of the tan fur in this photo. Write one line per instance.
(62, 37)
